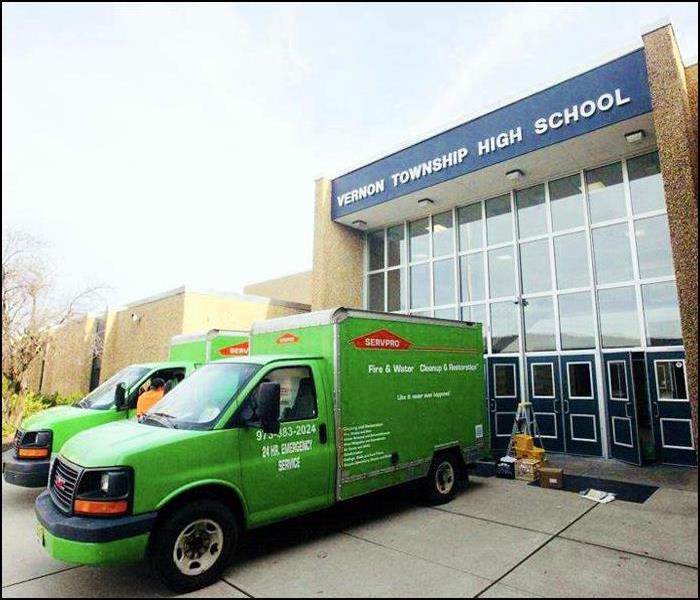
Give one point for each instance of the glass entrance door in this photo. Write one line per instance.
(580, 404)
(504, 396)
(622, 409)
(673, 427)
(545, 395)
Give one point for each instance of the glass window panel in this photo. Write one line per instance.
(566, 203)
(606, 194)
(501, 272)
(543, 380)
(619, 319)
(646, 185)
(499, 223)
(534, 267)
(653, 247)
(476, 314)
(443, 239)
(504, 381)
(571, 260)
(375, 244)
(617, 380)
(420, 286)
(576, 321)
(445, 313)
(376, 292)
(532, 211)
(661, 314)
(539, 324)
(611, 248)
(443, 281)
(396, 245)
(580, 383)
(670, 379)
(396, 290)
(504, 327)
(473, 284)
(471, 234)
(419, 232)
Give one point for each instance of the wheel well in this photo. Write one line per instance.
(224, 494)
(453, 452)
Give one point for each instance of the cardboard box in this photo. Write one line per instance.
(551, 478)
(527, 469)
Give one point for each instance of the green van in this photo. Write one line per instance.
(42, 435)
(328, 406)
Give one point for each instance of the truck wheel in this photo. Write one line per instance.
(190, 549)
(441, 482)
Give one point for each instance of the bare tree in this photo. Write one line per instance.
(31, 305)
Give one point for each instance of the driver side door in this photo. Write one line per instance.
(289, 472)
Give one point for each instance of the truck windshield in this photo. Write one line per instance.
(197, 403)
(102, 397)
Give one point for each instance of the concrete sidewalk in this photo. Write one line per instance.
(498, 538)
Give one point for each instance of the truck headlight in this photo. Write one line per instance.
(105, 492)
(35, 445)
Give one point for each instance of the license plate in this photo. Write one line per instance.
(40, 534)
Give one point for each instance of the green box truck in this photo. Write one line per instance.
(43, 434)
(328, 406)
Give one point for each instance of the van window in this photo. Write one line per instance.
(297, 393)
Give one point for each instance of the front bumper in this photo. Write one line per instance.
(27, 473)
(89, 540)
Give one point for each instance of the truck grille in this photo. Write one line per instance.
(63, 482)
(19, 434)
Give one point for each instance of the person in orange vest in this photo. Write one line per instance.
(154, 393)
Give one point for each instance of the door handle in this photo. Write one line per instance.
(322, 433)
(492, 404)
(554, 405)
(565, 403)
(656, 409)
(627, 412)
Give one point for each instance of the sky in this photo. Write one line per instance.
(151, 146)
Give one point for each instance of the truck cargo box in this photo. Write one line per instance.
(211, 345)
(403, 388)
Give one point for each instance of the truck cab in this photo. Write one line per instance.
(43, 434)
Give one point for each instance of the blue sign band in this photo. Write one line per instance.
(613, 92)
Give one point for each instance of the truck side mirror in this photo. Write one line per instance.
(269, 407)
(120, 396)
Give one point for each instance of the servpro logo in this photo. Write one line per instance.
(287, 338)
(381, 340)
(240, 349)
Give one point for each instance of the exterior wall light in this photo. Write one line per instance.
(425, 202)
(635, 136)
(136, 318)
(360, 224)
(515, 175)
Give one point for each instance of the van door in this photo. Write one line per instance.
(289, 472)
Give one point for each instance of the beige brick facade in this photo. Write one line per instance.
(141, 332)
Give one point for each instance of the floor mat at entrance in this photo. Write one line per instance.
(623, 490)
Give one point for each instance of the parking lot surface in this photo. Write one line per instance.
(498, 538)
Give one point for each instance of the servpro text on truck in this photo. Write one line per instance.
(43, 434)
(328, 406)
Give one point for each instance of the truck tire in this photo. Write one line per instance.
(193, 545)
(440, 486)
